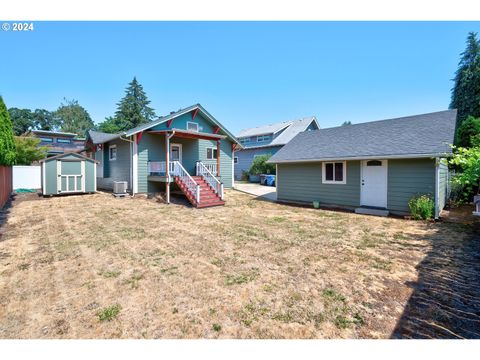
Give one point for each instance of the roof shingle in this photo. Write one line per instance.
(423, 135)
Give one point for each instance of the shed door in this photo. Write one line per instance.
(374, 183)
(70, 176)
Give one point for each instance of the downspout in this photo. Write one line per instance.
(131, 159)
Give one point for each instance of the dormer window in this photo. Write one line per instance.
(192, 126)
(263, 138)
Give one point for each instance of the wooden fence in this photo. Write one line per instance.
(5, 184)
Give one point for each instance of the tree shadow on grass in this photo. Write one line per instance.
(445, 302)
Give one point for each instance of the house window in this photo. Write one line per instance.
(262, 138)
(64, 141)
(46, 139)
(112, 152)
(334, 172)
(244, 140)
(235, 159)
(374, 163)
(211, 153)
(192, 126)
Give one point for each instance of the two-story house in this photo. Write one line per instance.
(267, 140)
(59, 142)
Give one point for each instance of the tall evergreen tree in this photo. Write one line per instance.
(466, 90)
(73, 117)
(133, 109)
(7, 143)
(45, 120)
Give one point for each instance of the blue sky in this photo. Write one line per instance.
(245, 73)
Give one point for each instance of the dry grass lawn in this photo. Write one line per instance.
(98, 267)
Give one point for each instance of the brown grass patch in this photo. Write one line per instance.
(99, 267)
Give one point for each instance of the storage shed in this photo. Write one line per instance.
(69, 173)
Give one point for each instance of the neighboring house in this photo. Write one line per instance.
(59, 142)
(371, 166)
(200, 153)
(267, 140)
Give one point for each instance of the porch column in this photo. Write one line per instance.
(167, 165)
(218, 158)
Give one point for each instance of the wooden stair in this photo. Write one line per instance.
(208, 197)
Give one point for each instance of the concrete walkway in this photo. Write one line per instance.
(264, 192)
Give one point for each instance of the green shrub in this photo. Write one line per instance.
(260, 166)
(421, 207)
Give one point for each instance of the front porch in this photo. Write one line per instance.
(194, 164)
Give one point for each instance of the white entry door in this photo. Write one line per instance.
(176, 152)
(374, 183)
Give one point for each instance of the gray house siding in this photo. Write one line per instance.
(246, 156)
(406, 178)
(303, 182)
(443, 185)
(115, 170)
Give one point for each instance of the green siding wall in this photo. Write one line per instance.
(181, 123)
(51, 177)
(406, 178)
(443, 185)
(303, 182)
(116, 170)
(90, 176)
(152, 148)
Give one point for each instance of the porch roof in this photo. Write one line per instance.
(189, 134)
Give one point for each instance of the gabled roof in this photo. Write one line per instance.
(59, 156)
(426, 135)
(99, 137)
(290, 129)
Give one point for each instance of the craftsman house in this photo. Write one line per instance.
(374, 167)
(267, 140)
(188, 151)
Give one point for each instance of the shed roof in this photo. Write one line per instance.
(76, 154)
(426, 135)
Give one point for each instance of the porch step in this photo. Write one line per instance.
(208, 197)
(371, 211)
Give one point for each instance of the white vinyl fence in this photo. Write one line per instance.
(27, 177)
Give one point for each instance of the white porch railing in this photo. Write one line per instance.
(192, 186)
(216, 185)
(212, 167)
(159, 167)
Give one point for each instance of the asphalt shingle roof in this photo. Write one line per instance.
(422, 135)
(98, 137)
(293, 127)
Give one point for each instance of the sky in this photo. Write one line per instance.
(245, 74)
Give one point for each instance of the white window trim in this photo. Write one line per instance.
(213, 150)
(325, 181)
(192, 122)
(110, 154)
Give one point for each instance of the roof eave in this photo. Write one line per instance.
(366, 157)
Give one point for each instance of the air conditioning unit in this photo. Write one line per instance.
(120, 187)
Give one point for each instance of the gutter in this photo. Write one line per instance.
(367, 157)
